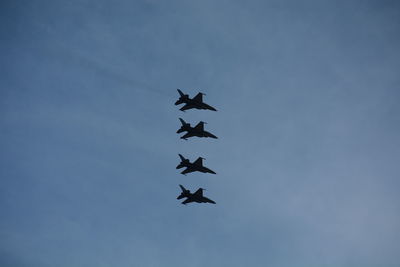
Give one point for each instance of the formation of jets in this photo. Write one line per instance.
(196, 131)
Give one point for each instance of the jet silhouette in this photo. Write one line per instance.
(195, 197)
(193, 166)
(198, 130)
(195, 102)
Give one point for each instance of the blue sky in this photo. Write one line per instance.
(307, 94)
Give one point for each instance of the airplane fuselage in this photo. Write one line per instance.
(194, 132)
(198, 105)
(195, 104)
(195, 167)
(194, 198)
(185, 128)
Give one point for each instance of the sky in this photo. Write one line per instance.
(307, 158)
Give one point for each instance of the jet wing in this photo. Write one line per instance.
(207, 200)
(188, 170)
(199, 162)
(199, 192)
(198, 98)
(206, 106)
(199, 126)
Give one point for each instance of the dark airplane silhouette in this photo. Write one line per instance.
(198, 130)
(193, 166)
(195, 197)
(195, 102)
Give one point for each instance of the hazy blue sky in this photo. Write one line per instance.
(308, 117)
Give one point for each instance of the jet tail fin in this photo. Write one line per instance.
(182, 121)
(182, 157)
(180, 92)
(182, 188)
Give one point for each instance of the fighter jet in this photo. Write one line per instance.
(195, 197)
(185, 192)
(193, 166)
(195, 102)
(198, 130)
